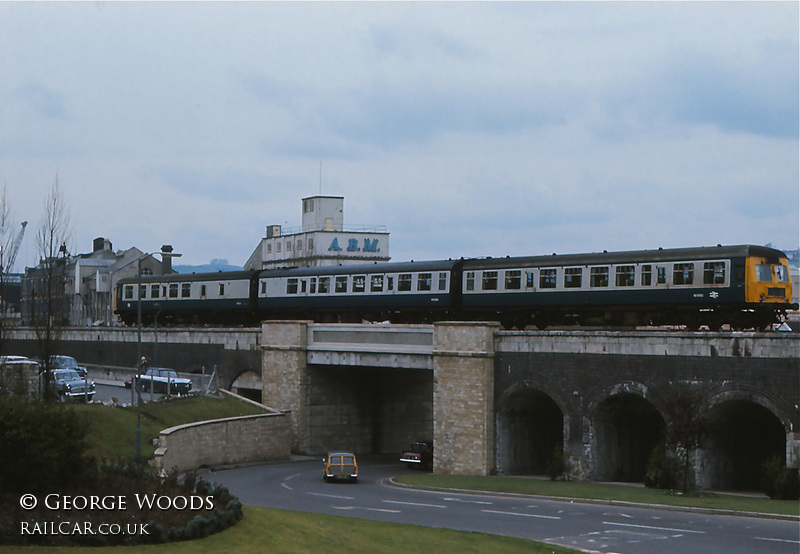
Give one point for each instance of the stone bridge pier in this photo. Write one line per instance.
(513, 402)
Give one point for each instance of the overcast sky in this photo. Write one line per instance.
(467, 129)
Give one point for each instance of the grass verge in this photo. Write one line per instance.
(283, 531)
(607, 492)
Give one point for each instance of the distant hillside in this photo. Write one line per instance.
(215, 266)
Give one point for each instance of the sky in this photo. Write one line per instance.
(467, 129)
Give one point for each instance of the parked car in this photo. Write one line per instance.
(15, 360)
(340, 465)
(163, 381)
(418, 456)
(66, 362)
(68, 385)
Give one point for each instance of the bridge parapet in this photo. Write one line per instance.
(377, 345)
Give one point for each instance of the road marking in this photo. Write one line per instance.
(450, 499)
(414, 504)
(776, 540)
(331, 496)
(518, 514)
(287, 487)
(368, 509)
(654, 528)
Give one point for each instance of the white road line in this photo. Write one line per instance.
(776, 540)
(287, 487)
(450, 499)
(331, 496)
(518, 514)
(654, 528)
(368, 509)
(414, 504)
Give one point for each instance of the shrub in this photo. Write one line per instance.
(779, 482)
(664, 471)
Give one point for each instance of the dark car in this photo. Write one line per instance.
(67, 385)
(163, 381)
(66, 362)
(340, 465)
(418, 456)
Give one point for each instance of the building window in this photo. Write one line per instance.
(340, 285)
(404, 282)
(147, 271)
(713, 273)
(573, 277)
(489, 280)
(154, 290)
(278, 247)
(269, 248)
(376, 283)
(310, 245)
(647, 275)
(625, 275)
(598, 277)
(683, 274)
(513, 279)
(547, 278)
(186, 290)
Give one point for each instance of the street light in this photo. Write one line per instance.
(166, 252)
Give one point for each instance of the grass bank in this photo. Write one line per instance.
(607, 492)
(282, 531)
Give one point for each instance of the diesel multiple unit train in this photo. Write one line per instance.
(741, 286)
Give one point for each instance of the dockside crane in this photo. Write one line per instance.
(15, 248)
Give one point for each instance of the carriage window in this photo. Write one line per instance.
(547, 278)
(203, 289)
(470, 280)
(324, 285)
(625, 275)
(142, 291)
(291, 286)
(647, 275)
(390, 283)
(489, 280)
(173, 290)
(359, 283)
(598, 277)
(221, 289)
(442, 281)
(154, 290)
(530, 279)
(682, 274)
(128, 292)
(513, 279)
(404, 282)
(783, 273)
(764, 273)
(713, 273)
(424, 281)
(303, 286)
(186, 290)
(340, 284)
(662, 275)
(573, 276)
(376, 283)
(263, 288)
(313, 286)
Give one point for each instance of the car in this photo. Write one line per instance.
(5, 360)
(419, 455)
(340, 465)
(164, 381)
(67, 385)
(66, 362)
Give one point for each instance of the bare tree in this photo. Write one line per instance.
(6, 242)
(686, 428)
(49, 312)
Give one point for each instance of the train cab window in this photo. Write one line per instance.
(222, 289)
(324, 285)
(404, 282)
(470, 281)
(154, 290)
(513, 279)
(424, 281)
(647, 275)
(683, 274)
(291, 286)
(128, 292)
(376, 283)
(442, 281)
(173, 290)
(763, 273)
(340, 284)
(186, 290)
(312, 286)
(547, 278)
(713, 273)
(573, 277)
(625, 275)
(530, 279)
(489, 280)
(598, 277)
(661, 275)
(359, 283)
(783, 273)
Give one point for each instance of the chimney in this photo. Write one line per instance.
(166, 260)
(101, 243)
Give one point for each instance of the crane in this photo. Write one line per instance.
(15, 247)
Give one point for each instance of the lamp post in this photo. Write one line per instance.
(137, 382)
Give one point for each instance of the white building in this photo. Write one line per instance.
(322, 240)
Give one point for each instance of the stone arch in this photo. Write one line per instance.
(625, 427)
(247, 382)
(531, 428)
(746, 429)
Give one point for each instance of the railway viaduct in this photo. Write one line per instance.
(496, 401)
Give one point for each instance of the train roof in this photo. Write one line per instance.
(383, 267)
(633, 256)
(182, 277)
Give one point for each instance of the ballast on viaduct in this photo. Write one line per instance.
(504, 402)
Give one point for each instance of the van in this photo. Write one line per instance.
(340, 465)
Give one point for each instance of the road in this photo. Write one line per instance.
(590, 527)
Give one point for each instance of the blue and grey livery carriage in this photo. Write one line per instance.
(742, 286)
